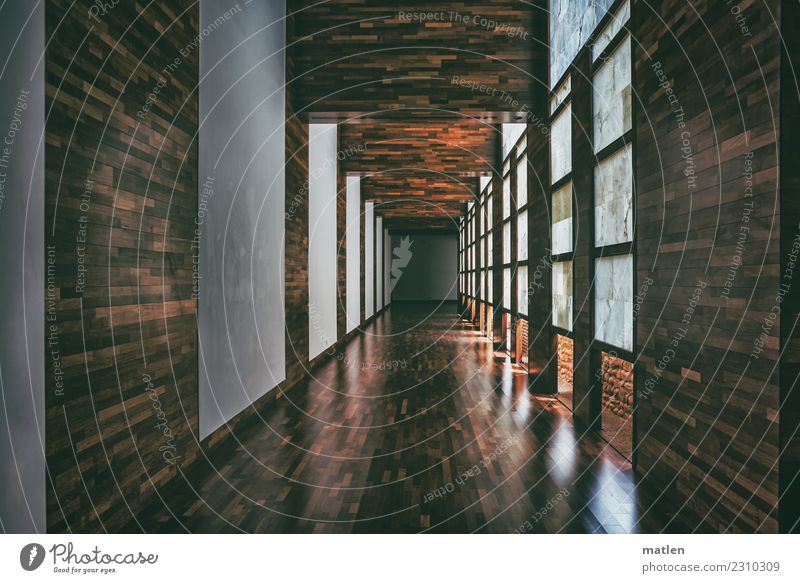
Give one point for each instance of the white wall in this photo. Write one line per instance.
(369, 259)
(387, 268)
(322, 243)
(353, 252)
(379, 263)
(241, 220)
(22, 255)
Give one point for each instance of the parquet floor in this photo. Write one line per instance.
(418, 426)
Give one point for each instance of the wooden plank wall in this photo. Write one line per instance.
(121, 199)
(789, 470)
(708, 424)
(381, 56)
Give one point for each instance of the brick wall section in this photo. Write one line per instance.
(564, 349)
(616, 377)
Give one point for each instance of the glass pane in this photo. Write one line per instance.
(560, 95)
(562, 294)
(561, 145)
(522, 236)
(522, 182)
(613, 300)
(562, 220)
(490, 289)
(611, 97)
(511, 134)
(522, 289)
(489, 215)
(489, 251)
(506, 197)
(507, 288)
(613, 199)
(611, 29)
(507, 242)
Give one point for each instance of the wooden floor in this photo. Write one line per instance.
(418, 426)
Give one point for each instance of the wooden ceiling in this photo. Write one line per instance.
(457, 147)
(418, 89)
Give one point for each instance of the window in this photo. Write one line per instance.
(613, 199)
(507, 197)
(522, 236)
(562, 295)
(561, 209)
(507, 242)
(561, 213)
(613, 313)
(613, 193)
(611, 97)
(561, 144)
(514, 223)
(507, 288)
(522, 182)
(522, 290)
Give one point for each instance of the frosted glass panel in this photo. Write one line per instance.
(490, 289)
(489, 211)
(562, 220)
(522, 236)
(522, 182)
(378, 263)
(507, 243)
(369, 259)
(387, 267)
(561, 94)
(611, 97)
(562, 294)
(507, 197)
(507, 288)
(571, 24)
(561, 145)
(613, 199)
(353, 252)
(522, 289)
(619, 18)
(489, 250)
(613, 300)
(511, 133)
(322, 243)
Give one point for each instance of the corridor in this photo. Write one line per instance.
(361, 266)
(415, 426)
